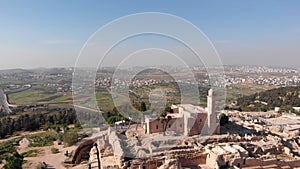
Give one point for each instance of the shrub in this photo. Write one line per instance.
(43, 139)
(54, 150)
(30, 153)
(41, 166)
(113, 119)
(70, 137)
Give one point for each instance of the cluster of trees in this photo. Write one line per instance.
(284, 97)
(14, 161)
(36, 121)
(113, 119)
(9, 153)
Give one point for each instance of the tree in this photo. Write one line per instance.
(223, 119)
(109, 114)
(263, 108)
(112, 120)
(143, 106)
(115, 111)
(168, 109)
(77, 124)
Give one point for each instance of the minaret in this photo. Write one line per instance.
(211, 112)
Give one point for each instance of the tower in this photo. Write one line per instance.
(211, 112)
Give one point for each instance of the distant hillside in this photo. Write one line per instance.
(284, 97)
(14, 71)
(52, 70)
(37, 70)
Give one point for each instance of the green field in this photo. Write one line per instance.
(104, 100)
(39, 96)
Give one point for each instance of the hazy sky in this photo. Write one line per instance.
(51, 33)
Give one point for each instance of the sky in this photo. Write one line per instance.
(51, 33)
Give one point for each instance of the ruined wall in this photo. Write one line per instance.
(149, 164)
(152, 164)
(212, 160)
(82, 152)
(193, 161)
(115, 142)
(104, 128)
(249, 162)
(183, 162)
(238, 162)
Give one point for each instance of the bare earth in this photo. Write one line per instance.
(53, 161)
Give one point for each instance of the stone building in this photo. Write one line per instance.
(226, 155)
(186, 119)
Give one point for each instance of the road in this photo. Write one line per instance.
(3, 102)
(86, 108)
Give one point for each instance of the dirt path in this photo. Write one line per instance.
(23, 135)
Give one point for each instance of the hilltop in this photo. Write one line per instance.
(284, 97)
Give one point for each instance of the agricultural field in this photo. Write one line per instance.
(39, 95)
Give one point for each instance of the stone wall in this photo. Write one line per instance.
(250, 162)
(149, 164)
(115, 142)
(193, 161)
